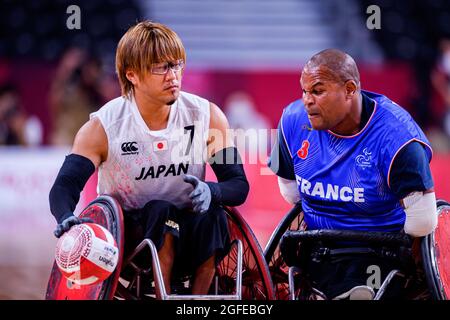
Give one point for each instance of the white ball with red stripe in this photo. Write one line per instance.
(87, 254)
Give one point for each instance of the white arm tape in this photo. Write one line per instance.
(288, 189)
(421, 214)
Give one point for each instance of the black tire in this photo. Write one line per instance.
(256, 278)
(277, 267)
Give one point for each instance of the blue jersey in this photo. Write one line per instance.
(344, 180)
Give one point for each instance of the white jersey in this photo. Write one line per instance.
(144, 165)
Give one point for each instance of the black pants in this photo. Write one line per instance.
(197, 236)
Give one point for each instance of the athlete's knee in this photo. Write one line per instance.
(161, 217)
(214, 219)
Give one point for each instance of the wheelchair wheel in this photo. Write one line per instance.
(435, 249)
(106, 212)
(256, 279)
(293, 220)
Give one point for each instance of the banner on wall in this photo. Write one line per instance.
(26, 176)
(26, 223)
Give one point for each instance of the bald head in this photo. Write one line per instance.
(335, 64)
(332, 92)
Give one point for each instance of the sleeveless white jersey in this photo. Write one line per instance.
(144, 165)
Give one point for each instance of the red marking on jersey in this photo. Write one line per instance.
(303, 151)
(160, 145)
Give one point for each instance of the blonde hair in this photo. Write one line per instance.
(141, 46)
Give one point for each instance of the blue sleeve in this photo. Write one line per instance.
(280, 161)
(411, 170)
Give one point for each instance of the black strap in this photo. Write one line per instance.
(373, 237)
(350, 251)
(401, 254)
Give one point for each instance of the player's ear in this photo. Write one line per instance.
(350, 88)
(132, 76)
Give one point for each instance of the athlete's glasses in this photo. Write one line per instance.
(164, 67)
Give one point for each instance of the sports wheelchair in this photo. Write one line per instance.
(242, 274)
(429, 279)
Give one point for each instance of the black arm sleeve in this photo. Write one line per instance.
(71, 179)
(410, 171)
(232, 187)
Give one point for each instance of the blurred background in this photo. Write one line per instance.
(244, 55)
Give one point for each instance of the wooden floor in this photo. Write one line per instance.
(23, 283)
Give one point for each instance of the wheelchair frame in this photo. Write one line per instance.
(244, 266)
(159, 281)
(283, 276)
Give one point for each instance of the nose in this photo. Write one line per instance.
(171, 74)
(308, 99)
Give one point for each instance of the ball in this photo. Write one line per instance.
(87, 254)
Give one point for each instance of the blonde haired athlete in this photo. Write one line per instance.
(151, 146)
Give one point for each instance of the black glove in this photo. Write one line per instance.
(69, 222)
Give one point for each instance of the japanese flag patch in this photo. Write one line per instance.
(160, 145)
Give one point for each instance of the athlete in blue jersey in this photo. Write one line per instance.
(356, 159)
